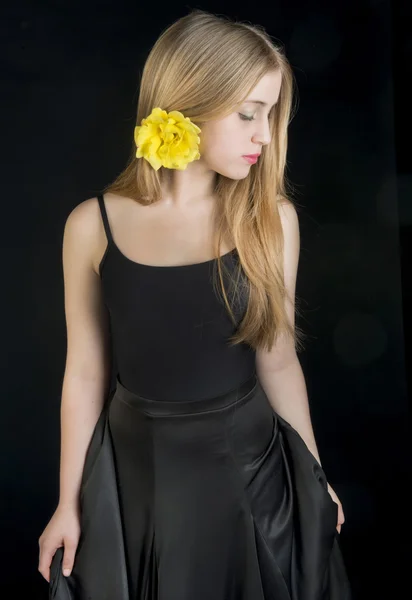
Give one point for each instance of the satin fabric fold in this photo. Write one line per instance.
(217, 498)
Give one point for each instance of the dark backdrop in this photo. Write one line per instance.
(69, 93)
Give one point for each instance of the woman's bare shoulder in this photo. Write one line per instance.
(84, 225)
(83, 216)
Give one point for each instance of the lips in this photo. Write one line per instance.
(251, 159)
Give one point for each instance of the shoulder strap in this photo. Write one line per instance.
(104, 218)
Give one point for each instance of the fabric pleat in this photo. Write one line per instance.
(213, 499)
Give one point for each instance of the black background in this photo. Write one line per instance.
(69, 92)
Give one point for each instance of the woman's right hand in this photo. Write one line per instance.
(63, 529)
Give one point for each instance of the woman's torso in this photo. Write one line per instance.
(169, 325)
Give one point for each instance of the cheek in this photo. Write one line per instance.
(221, 143)
(223, 154)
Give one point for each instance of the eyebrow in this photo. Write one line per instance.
(257, 102)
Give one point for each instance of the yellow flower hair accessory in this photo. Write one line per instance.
(167, 140)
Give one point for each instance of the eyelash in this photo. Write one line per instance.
(245, 118)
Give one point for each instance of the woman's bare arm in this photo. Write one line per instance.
(88, 361)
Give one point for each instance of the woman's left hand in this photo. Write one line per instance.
(341, 516)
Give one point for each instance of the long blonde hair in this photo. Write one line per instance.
(204, 65)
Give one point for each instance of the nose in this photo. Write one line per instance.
(262, 134)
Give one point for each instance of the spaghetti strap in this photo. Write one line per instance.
(104, 218)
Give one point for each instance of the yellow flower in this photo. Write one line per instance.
(167, 140)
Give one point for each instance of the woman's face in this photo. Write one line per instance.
(223, 142)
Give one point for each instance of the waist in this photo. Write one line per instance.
(235, 396)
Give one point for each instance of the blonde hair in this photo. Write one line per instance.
(204, 65)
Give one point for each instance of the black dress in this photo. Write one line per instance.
(193, 487)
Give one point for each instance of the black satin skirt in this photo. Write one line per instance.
(216, 499)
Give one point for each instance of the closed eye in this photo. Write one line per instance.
(246, 118)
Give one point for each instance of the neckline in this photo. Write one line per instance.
(168, 267)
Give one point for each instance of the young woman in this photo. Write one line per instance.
(195, 476)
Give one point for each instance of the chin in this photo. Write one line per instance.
(239, 176)
(235, 174)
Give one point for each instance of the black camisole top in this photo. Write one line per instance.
(169, 327)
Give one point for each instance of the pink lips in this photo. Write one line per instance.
(251, 158)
